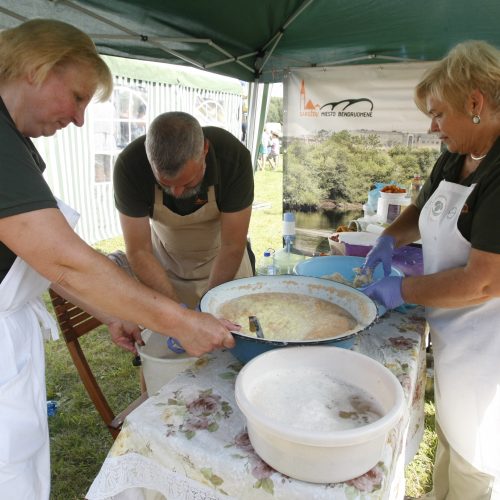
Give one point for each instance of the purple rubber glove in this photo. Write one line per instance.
(381, 252)
(386, 291)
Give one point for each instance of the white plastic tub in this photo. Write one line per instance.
(316, 455)
(390, 205)
(159, 363)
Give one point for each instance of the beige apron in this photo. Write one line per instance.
(187, 245)
(24, 437)
(466, 342)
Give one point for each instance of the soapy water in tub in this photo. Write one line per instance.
(309, 399)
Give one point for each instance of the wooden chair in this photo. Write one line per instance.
(74, 323)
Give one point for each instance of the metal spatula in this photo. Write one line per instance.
(255, 326)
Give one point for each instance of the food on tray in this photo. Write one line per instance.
(289, 316)
(360, 278)
(392, 188)
(344, 229)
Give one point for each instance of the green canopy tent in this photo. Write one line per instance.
(257, 41)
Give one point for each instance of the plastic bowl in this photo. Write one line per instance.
(320, 267)
(314, 455)
(357, 303)
(159, 363)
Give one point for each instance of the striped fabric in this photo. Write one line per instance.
(74, 156)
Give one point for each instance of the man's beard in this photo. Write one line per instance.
(187, 193)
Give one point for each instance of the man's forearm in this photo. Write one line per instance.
(225, 266)
(149, 271)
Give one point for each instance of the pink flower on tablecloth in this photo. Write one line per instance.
(402, 343)
(200, 413)
(204, 405)
(196, 424)
(260, 469)
(369, 482)
(242, 441)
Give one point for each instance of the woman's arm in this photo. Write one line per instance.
(476, 282)
(405, 228)
(46, 242)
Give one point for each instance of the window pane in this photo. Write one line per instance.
(102, 168)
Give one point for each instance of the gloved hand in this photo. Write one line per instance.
(381, 252)
(386, 291)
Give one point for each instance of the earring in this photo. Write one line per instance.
(476, 119)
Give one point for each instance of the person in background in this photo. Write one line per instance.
(274, 151)
(49, 71)
(456, 216)
(263, 149)
(244, 127)
(185, 196)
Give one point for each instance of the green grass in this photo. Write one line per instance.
(79, 440)
(266, 223)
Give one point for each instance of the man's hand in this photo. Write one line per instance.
(125, 334)
(386, 291)
(381, 252)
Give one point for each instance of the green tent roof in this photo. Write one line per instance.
(172, 74)
(260, 39)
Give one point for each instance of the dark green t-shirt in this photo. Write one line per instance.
(478, 224)
(228, 169)
(22, 186)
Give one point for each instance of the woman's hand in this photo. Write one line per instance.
(125, 334)
(386, 291)
(381, 252)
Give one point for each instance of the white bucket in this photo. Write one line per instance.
(159, 363)
(390, 205)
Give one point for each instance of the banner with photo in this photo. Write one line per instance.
(345, 130)
(365, 97)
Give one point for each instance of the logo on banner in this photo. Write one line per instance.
(363, 109)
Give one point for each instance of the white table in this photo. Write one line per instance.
(189, 440)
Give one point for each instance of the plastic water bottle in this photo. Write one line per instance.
(288, 230)
(51, 407)
(266, 266)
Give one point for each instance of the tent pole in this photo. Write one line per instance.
(258, 102)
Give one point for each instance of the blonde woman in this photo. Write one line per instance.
(456, 216)
(49, 72)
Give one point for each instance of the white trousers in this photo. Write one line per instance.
(456, 479)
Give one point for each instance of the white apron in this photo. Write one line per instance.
(466, 342)
(24, 437)
(187, 245)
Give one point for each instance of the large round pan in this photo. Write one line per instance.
(355, 302)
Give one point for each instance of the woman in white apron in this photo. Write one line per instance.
(456, 216)
(49, 71)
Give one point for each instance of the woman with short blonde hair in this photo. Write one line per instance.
(38, 46)
(49, 72)
(456, 217)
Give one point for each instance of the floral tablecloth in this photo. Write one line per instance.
(189, 442)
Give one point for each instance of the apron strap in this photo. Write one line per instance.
(47, 322)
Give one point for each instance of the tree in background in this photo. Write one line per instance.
(342, 167)
(275, 111)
